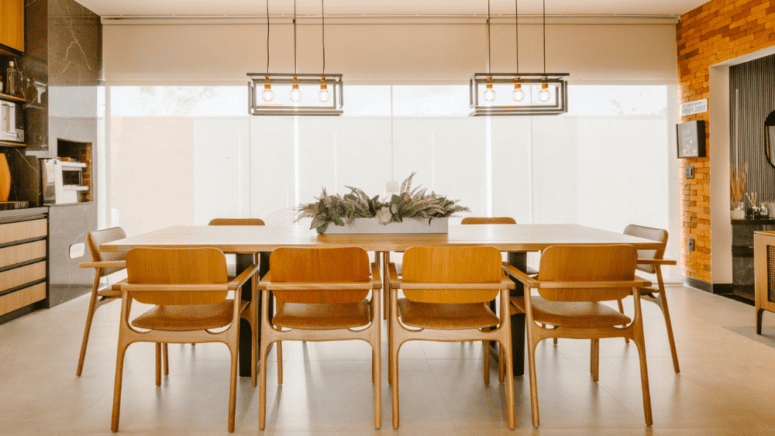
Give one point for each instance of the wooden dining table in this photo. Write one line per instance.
(244, 241)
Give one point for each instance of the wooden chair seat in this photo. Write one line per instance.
(571, 314)
(306, 316)
(173, 318)
(440, 316)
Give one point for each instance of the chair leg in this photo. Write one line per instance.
(640, 342)
(501, 363)
(621, 310)
(394, 374)
(595, 359)
(507, 356)
(87, 329)
(117, 385)
(759, 314)
(279, 346)
(165, 355)
(669, 324)
(390, 350)
(233, 384)
(486, 348)
(531, 346)
(262, 387)
(376, 369)
(158, 364)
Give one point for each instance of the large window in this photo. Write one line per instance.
(185, 155)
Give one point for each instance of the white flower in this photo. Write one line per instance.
(384, 215)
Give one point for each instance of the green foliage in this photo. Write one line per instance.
(408, 203)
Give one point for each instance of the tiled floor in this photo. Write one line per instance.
(726, 387)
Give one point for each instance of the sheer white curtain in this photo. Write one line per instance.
(184, 155)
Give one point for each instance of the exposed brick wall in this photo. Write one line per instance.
(712, 33)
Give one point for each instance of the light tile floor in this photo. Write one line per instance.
(726, 387)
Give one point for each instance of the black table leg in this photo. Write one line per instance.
(245, 261)
(518, 260)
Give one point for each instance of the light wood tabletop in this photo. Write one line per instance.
(252, 239)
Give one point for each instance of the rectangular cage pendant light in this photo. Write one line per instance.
(295, 94)
(506, 94)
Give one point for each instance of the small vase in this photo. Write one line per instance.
(737, 210)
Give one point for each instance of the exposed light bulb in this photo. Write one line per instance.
(544, 95)
(489, 93)
(518, 94)
(268, 94)
(324, 95)
(295, 93)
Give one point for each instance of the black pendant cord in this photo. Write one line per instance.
(323, 16)
(544, 37)
(294, 37)
(267, 36)
(516, 30)
(489, 57)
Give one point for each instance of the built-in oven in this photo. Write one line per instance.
(63, 181)
(11, 121)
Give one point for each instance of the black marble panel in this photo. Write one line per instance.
(69, 225)
(25, 177)
(75, 44)
(36, 29)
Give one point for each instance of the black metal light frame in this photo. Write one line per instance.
(480, 80)
(310, 82)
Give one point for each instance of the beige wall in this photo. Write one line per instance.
(222, 51)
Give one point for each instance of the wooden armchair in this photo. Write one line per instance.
(189, 289)
(251, 316)
(572, 281)
(651, 261)
(106, 264)
(321, 296)
(446, 290)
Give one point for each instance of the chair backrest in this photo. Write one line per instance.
(658, 235)
(236, 222)
(491, 220)
(177, 266)
(451, 265)
(99, 237)
(320, 265)
(587, 263)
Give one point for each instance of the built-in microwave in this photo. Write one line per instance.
(11, 121)
(62, 181)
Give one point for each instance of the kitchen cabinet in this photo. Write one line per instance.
(12, 24)
(23, 261)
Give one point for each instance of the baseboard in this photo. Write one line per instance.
(713, 288)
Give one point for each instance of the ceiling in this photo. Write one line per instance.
(387, 7)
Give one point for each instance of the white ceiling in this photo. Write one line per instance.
(386, 7)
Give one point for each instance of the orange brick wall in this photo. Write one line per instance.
(712, 33)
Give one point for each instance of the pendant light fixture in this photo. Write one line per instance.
(322, 102)
(532, 93)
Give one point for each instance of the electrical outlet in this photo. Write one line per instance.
(689, 172)
(691, 244)
(77, 250)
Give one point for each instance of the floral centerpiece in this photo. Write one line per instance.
(409, 203)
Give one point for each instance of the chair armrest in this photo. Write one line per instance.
(520, 275)
(104, 264)
(266, 279)
(656, 262)
(394, 282)
(636, 283)
(243, 277)
(137, 287)
(376, 278)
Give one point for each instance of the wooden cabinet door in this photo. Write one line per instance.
(12, 23)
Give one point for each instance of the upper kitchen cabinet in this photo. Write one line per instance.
(12, 24)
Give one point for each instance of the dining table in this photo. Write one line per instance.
(245, 241)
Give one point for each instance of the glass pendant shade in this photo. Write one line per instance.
(544, 95)
(324, 95)
(489, 94)
(268, 94)
(518, 94)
